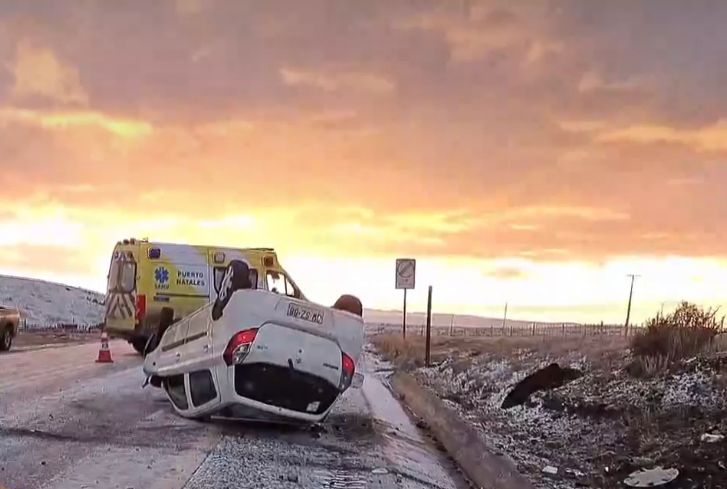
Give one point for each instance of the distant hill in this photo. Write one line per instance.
(45, 303)
(374, 316)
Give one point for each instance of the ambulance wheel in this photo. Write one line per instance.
(139, 342)
(166, 319)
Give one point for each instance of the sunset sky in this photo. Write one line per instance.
(529, 152)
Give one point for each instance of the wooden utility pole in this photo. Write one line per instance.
(628, 310)
(504, 320)
(429, 328)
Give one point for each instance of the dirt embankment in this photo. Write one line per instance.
(594, 422)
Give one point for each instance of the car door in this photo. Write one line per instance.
(200, 361)
(168, 354)
(197, 348)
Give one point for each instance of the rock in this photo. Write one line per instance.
(712, 438)
(657, 476)
(574, 472)
(550, 377)
(550, 470)
(292, 478)
(641, 461)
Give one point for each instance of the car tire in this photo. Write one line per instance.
(139, 342)
(6, 339)
(349, 303)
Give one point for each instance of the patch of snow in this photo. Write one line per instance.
(691, 389)
(47, 304)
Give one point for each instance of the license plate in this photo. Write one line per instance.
(310, 315)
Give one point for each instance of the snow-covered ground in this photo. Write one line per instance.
(46, 304)
(598, 428)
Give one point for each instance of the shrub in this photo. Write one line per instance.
(686, 332)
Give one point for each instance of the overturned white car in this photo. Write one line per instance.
(258, 355)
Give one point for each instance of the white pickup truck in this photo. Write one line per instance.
(9, 323)
(258, 355)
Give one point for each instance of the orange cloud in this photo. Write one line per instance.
(591, 81)
(708, 138)
(356, 81)
(39, 73)
(365, 132)
(118, 126)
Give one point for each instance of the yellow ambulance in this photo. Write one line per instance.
(154, 283)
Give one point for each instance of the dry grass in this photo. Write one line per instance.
(601, 350)
(687, 332)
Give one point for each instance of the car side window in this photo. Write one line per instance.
(219, 274)
(280, 284)
(292, 290)
(276, 282)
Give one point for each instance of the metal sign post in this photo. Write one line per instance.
(403, 319)
(405, 279)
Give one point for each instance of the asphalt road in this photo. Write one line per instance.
(68, 422)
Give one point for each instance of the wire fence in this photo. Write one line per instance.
(58, 327)
(532, 329)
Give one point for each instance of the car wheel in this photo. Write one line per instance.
(6, 340)
(139, 343)
(349, 303)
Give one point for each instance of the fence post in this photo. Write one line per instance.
(429, 327)
(563, 329)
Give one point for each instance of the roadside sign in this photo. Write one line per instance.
(405, 273)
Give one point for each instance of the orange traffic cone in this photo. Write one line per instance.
(104, 354)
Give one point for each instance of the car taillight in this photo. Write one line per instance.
(239, 346)
(140, 307)
(348, 368)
